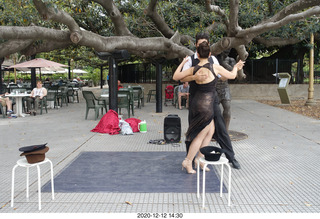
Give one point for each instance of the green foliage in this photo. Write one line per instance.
(186, 16)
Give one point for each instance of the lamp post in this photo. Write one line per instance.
(310, 100)
(1, 82)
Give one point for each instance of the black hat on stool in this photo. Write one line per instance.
(212, 153)
(34, 153)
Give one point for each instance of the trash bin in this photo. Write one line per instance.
(282, 89)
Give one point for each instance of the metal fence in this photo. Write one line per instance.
(261, 71)
(258, 71)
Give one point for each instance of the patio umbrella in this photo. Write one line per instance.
(38, 63)
(79, 71)
(44, 70)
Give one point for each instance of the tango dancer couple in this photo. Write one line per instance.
(205, 119)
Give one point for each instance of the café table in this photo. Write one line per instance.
(107, 95)
(18, 97)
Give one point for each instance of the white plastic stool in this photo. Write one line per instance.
(24, 163)
(222, 161)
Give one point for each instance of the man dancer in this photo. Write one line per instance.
(221, 134)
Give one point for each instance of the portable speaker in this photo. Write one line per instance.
(172, 128)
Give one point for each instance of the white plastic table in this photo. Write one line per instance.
(107, 95)
(18, 98)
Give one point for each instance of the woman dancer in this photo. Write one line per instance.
(201, 126)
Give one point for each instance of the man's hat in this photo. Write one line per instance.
(32, 148)
(34, 153)
(212, 153)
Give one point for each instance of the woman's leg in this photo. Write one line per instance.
(207, 139)
(194, 148)
(29, 103)
(198, 141)
(8, 103)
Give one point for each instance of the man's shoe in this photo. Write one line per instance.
(235, 164)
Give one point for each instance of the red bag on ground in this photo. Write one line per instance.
(133, 122)
(109, 123)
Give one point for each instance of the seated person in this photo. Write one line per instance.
(60, 82)
(183, 91)
(6, 102)
(36, 96)
(119, 84)
(19, 82)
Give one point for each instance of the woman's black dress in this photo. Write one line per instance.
(201, 105)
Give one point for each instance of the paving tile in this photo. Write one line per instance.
(279, 162)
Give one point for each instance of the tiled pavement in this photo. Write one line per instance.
(280, 162)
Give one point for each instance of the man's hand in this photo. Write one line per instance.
(200, 75)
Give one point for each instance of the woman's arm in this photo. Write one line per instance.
(199, 76)
(228, 74)
(44, 92)
(32, 92)
(178, 74)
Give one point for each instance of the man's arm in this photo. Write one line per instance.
(186, 66)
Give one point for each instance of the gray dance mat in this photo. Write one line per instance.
(130, 172)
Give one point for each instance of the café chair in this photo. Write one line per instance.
(151, 93)
(128, 101)
(137, 95)
(3, 111)
(124, 102)
(70, 93)
(93, 103)
(62, 95)
(52, 96)
(43, 104)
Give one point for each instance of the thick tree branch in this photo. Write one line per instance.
(276, 41)
(214, 26)
(216, 9)
(160, 45)
(13, 46)
(292, 9)
(116, 17)
(34, 33)
(233, 27)
(60, 17)
(250, 33)
(227, 43)
(45, 47)
(58, 38)
(161, 25)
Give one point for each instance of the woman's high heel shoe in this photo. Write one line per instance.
(196, 160)
(187, 164)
